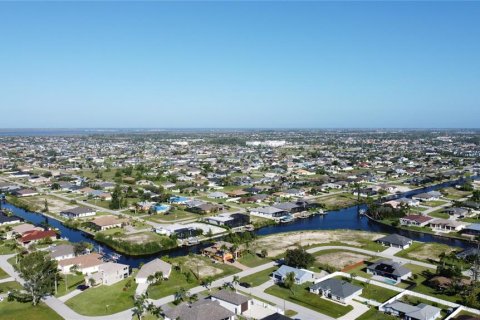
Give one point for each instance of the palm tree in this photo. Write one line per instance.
(150, 278)
(180, 295)
(236, 280)
(289, 282)
(139, 306)
(158, 277)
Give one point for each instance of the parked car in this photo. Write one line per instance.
(82, 287)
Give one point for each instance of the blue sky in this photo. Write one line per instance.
(251, 64)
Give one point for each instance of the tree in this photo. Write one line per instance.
(298, 258)
(264, 253)
(45, 206)
(81, 247)
(476, 195)
(39, 273)
(139, 306)
(180, 295)
(117, 199)
(289, 281)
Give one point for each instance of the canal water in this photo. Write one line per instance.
(347, 218)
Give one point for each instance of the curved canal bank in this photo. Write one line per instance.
(347, 218)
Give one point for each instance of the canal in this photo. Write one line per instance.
(347, 218)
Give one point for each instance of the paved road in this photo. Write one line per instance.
(303, 313)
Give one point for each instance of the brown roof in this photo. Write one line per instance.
(85, 261)
(418, 218)
(105, 221)
(37, 235)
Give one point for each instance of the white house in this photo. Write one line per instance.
(232, 301)
(152, 267)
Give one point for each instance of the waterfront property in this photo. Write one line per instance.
(415, 220)
(151, 268)
(78, 212)
(396, 241)
(88, 263)
(108, 273)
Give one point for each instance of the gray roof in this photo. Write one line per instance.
(276, 316)
(284, 270)
(62, 250)
(339, 288)
(78, 210)
(420, 312)
(231, 297)
(200, 310)
(156, 265)
(395, 239)
(389, 266)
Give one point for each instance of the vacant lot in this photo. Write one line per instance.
(202, 268)
(277, 244)
(341, 259)
(426, 251)
(142, 237)
(55, 204)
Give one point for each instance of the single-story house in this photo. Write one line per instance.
(473, 229)
(62, 252)
(415, 220)
(268, 212)
(456, 211)
(204, 309)
(159, 208)
(301, 275)
(20, 229)
(336, 289)
(152, 267)
(106, 222)
(179, 230)
(5, 219)
(406, 311)
(232, 301)
(34, 236)
(217, 195)
(108, 273)
(231, 220)
(78, 212)
(428, 196)
(409, 202)
(446, 225)
(389, 269)
(25, 193)
(396, 241)
(276, 316)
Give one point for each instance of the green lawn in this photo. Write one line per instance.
(73, 280)
(373, 292)
(3, 274)
(10, 285)
(173, 215)
(5, 247)
(309, 300)
(439, 214)
(258, 278)
(427, 251)
(422, 284)
(435, 203)
(104, 300)
(176, 281)
(252, 260)
(12, 310)
(374, 314)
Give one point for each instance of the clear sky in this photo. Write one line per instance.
(265, 64)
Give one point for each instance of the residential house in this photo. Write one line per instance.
(446, 225)
(336, 289)
(35, 236)
(217, 195)
(106, 222)
(151, 268)
(20, 229)
(108, 273)
(415, 220)
(232, 301)
(396, 241)
(301, 275)
(25, 193)
(231, 220)
(78, 212)
(268, 212)
(62, 252)
(389, 269)
(406, 311)
(179, 230)
(85, 264)
(204, 309)
(6, 219)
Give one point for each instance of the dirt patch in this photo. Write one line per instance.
(278, 243)
(430, 251)
(55, 205)
(341, 259)
(201, 268)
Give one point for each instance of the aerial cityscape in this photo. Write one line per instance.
(240, 160)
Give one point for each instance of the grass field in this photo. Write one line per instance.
(373, 292)
(73, 280)
(12, 310)
(258, 278)
(374, 314)
(309, 300)
(252, 260)
(3, 274)
(10, 285)
(104, 300)
(426, 252)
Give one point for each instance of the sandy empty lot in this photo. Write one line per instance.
(341, 259)
(279, 243)
(204, 270)
(55, 205)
